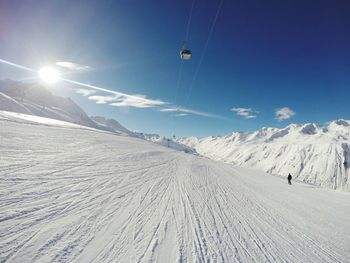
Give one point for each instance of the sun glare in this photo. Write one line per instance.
(49, 75)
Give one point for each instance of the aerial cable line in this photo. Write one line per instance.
(185, 53)
(178, 81)
(188, 27)
(204, 51)
(189, 21)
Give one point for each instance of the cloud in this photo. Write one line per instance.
(247, 113)
(170, 110)
(191, 111)
(283, 113)
(181, 114)
(72, 66)
(85, 92)
(120, 99)
(137, 101)
(102, 99)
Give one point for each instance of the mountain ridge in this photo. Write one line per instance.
(313, 153)
(36, 100)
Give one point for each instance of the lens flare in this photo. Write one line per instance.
(49, 75)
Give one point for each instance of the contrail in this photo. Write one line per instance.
(17, 66)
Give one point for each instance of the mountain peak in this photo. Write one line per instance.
(341, 122)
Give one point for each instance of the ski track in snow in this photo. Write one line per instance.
(70, 195)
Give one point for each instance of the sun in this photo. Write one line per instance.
(49, 75)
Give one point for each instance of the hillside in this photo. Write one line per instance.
(72, 194)
(34, 99)
(318, 155)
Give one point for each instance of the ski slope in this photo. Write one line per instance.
(314, 154)
(80, 195)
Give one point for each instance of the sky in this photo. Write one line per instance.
(254, 63)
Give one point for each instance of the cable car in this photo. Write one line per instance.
(185, 54)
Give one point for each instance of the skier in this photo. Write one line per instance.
(289, 179)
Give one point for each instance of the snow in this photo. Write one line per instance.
(79, 195)
(317, 155)
(32, 119)
(110, 124)
(164, 141)
(37, 105)
(34, 99)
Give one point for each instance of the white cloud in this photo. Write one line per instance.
(138, 101)
(85, 92)
(102, 99)
(181, 114)
(283, 113)
(190, 111)
(170, 110)
(247, 113)
(72, 66)
(121, 99)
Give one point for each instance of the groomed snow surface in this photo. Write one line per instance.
(78, 195)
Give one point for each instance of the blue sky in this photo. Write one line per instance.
(261, 56)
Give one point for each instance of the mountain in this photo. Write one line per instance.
(315, 154)
(110, 125)
(84, 195)
(114, 126)
(164, 141)
(34, 99)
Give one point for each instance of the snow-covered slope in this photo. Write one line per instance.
(79, 195)
(318, 155)
(33, 99)
(164, 141)
(110, 125)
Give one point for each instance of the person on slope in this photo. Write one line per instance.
(289, 179)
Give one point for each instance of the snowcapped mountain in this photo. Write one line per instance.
(318, 155)
(33, 99)
(110, 125)
(164, 141)
(75, 194)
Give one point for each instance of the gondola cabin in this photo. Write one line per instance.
(186, 54)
